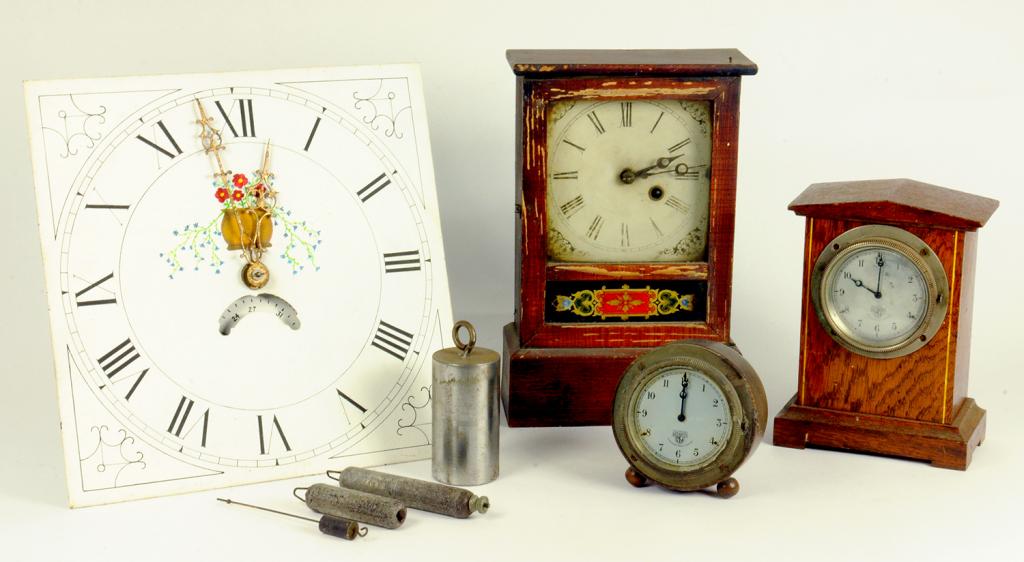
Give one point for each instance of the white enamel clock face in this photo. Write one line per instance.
(628, 180)
(878, 296)
(682, 417)
(173, 374)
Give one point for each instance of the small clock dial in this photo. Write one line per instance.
(878, 296)
(682, 417)
(879, 291)
(628, 180)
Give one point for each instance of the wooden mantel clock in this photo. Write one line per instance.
(886, 324)
(626, 191)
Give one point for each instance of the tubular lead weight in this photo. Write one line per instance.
(417, 494)
(351, 504)
(465, 412)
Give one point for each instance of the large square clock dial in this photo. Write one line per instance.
(626, 177)
(245, 274)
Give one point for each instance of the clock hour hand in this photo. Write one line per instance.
(629, 176)
(859, 283)
(682, 399)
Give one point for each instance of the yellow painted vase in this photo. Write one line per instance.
(239, 227)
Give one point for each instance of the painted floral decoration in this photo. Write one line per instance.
(201, 243)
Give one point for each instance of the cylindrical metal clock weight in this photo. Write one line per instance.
(465, 412)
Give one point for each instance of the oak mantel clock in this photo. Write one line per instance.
(626, 186)
(245, 274)
(886, 324)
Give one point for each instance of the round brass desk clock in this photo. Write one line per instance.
(687, 415)
(879, 291)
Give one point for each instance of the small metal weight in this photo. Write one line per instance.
(351, 504)
(465, 412)
(417, 494)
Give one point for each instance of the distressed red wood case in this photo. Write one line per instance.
(565, 373)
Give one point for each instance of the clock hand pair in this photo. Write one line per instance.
(682, 399)
(629, 176)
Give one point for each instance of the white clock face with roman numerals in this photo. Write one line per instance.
(628, 180)
(153, 319)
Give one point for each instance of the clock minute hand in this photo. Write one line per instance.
(682, 399)
(878, 286)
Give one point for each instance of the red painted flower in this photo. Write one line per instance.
(259, 189)
(222, 195)
(237, 195)
(239, 180)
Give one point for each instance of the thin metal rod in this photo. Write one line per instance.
(227, 501)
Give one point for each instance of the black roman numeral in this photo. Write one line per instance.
(656, 121)
(626, 109)
(105, 206)
(656, 229)
(595, 227)
(573, 175)
(574, 145)
(373, 187)
(678, 146)
(677, 204)
(247, 120)
(113, 361)
(94, 302)
(570, 207)
(397, 262)
(624, 235)
(267, 437)
(392, 340)
(309, 140)
(166, 152)
(350, 400)
(181, 416)
(596, 122)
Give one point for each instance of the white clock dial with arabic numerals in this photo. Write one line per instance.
(878, 296)
(682, 417)
(628, 180)
(154, 322)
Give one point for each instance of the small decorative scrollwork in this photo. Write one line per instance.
(410, 413)
(381, 109)
(114, 451)
(77, 128)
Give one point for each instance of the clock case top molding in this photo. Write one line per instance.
(589, 357)
(924, 411)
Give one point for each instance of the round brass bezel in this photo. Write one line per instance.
(897, 240)
(743, 393)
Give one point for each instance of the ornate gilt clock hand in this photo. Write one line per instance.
(212, 142)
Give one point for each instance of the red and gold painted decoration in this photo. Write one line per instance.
(624, 303)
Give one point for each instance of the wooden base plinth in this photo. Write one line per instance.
(944, 445)
(543, 387)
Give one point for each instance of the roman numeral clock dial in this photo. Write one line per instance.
(178, 375)
(629, 180)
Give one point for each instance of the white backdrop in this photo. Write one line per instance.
(930, 90)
